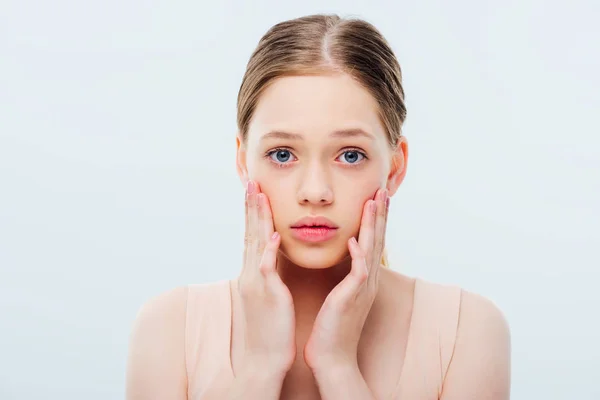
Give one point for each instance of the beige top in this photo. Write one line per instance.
(430, 346)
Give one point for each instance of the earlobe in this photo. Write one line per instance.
(398, 167)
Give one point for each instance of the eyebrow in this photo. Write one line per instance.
(342, 133)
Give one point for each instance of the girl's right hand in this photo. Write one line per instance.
(267, 303)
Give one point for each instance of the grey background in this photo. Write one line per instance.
(117, 177)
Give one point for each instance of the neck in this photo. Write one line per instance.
(311, 283)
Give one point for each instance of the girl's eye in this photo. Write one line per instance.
(352, 156)
(284, 156)
(280, 156)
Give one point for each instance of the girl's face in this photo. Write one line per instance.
(317, 148)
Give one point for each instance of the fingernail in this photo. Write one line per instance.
(250, 187)
(373, 207)
(274, 236)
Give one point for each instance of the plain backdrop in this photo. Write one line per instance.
(117, 175)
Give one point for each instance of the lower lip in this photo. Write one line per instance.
(317, 234)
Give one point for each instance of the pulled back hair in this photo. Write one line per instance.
(322, 44)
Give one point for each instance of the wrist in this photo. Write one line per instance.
(263, 368)
(342, 381)
(331, 363)
(255, 381)
(336, 371)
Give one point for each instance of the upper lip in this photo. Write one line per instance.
(314, 221)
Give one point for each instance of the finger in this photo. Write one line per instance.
(252, 233)
(261, 241)
(246, 226)
(350, 286)
(366, 236)
(269, 257)
(265, 218)
(387, 212)
(380, 230)
(380, 220)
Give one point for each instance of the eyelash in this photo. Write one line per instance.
(284, 165)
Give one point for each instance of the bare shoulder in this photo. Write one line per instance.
(482, 325)
(156, 356)
(480, 365)
(164, 304)
(160, 316)
(480, 314)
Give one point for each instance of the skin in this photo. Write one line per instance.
(318, 179)
(347, 178)
(318, 321)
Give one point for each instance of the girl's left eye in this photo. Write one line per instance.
(352, 156)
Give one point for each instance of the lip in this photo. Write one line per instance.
(314, 221)
(314, 229)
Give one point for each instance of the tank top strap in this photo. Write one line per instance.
(431, 340)
(207, 335)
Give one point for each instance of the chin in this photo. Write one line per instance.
(315, 256)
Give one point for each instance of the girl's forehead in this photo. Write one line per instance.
(322, 105)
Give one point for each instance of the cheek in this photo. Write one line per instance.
(355, 205)
(279, 199)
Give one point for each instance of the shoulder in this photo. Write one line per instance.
(480, 365)
(481, 325)
(474, 312)
(156, 358)
(158, 362)
(474, 341)
(164, 316)
(476, 320)
(480, 314)
(166, 304)
(166, 308)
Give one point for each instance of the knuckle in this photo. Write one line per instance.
(250, 239)
(264, 268)
(361, 275)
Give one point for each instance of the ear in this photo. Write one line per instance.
(240, 160)
(398, 167)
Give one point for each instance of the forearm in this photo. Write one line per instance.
(343, 383)
(249, 384)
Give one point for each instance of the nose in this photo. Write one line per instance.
(315, 187)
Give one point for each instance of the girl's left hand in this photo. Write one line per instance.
(337, 329)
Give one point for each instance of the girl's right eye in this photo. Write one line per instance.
(280, 156)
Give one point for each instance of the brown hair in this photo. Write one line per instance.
(325, 44)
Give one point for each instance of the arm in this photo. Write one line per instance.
(343, 383)
(480, 366)
(251, 383)
(156, 361)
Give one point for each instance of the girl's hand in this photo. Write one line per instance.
(333, 342)
(267, 303)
